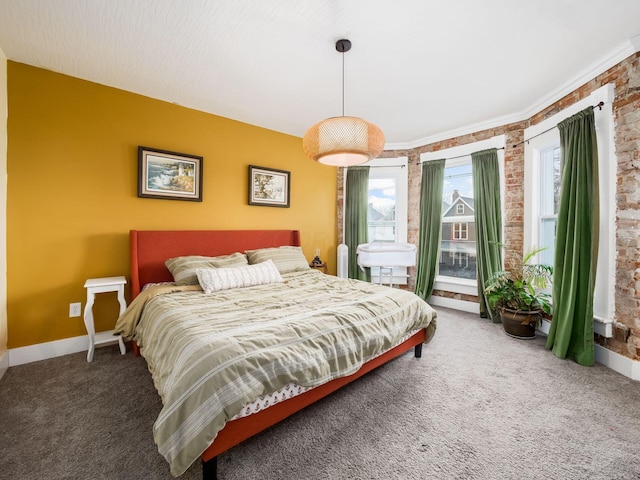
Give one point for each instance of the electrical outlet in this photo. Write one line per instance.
(75, 309)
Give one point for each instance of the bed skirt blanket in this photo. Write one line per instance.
(211, 354)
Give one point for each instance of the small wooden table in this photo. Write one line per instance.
(319, 266)
(102, 285)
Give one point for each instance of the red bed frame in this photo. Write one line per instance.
(149, 250)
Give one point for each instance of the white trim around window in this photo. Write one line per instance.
(461, 285)
(604, 295)
(383, 168)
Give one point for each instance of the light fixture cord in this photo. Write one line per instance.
(343, 84)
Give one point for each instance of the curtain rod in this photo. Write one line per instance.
(385, 166)
(598, 106)
(420, 162)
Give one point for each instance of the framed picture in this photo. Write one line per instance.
(169, 175)
(269, 187)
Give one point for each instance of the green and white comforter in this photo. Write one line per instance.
(209, 355)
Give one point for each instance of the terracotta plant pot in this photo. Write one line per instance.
(520, 324)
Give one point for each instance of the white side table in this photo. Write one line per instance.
(102, 285)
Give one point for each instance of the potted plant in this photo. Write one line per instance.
(517, 294)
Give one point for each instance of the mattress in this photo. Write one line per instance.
(290, 390)
(307, 331)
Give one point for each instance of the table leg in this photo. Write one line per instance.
(123, 307)
(88, 322)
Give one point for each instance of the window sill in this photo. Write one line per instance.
(456, 285)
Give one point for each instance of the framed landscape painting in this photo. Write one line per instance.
(169, 175)
(268, 186)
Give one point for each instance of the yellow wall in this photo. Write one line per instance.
(72, 191)
(3, 209)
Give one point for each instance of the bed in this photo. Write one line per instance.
(179, 329)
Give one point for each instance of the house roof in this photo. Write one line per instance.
(421, 70)
(467, 201)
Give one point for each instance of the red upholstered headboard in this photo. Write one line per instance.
(150, 248)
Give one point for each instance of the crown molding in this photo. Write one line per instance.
(628, 48)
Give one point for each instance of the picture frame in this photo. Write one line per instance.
(269, 187)
(169, 175)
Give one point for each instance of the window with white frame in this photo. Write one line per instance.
(460, 231)
(456, 262)
(549, 176)
(542, 192)
(382, 200)
(459, 260)
(387, 209)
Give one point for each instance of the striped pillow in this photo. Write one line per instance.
(216, 279)
(183, 269)
(286, 259)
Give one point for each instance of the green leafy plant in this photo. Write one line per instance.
(519, 287)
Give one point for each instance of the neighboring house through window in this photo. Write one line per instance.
(458, 246)
(457, 266)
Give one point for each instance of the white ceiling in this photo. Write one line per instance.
(422, 70)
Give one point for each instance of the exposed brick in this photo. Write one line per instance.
(454, 295)
(626, 111)
(617, 347)
(620, 332)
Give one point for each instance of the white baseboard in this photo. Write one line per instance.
(57, 348)
(4, 362)
(619, 363)
(465, 306)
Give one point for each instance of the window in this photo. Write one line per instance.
(460, 231)
(549, 199)
(387, 210)
(458, 243)
(457, 267)
(382, 209)
(542, 191)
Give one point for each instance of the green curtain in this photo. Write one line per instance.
(574, 266)
(488, 222)
(430, 226)
(355, 217)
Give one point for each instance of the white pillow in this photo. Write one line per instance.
(215, 279)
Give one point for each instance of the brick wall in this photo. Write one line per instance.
(626, 109)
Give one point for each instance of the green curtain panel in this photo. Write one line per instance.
(430, 226)
(355, 217)
(571, 332)
(488, 220)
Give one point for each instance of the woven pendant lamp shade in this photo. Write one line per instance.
(343, 141)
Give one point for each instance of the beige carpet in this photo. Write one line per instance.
(478, 405)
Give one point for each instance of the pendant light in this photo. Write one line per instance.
(343, 141)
